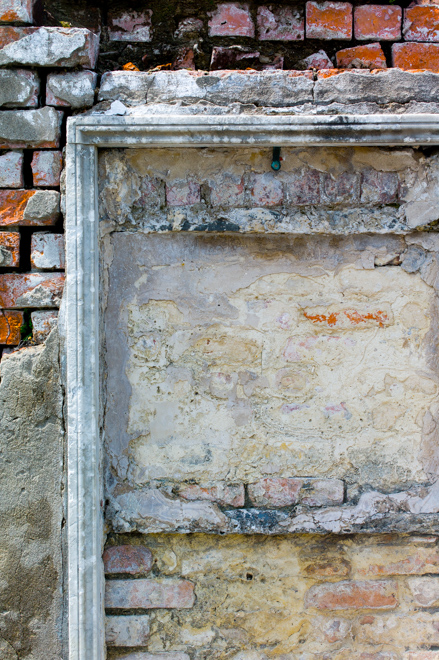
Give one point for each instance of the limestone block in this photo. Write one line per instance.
(47, 251)
(75, 90)
(48, 46)
(16, 11)
(11, 169)
(30, 208)
(127, 86)
(126, 630)
(149, 594)
(30, 128)
(19, 88)
(43, 323)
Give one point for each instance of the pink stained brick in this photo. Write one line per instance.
(381, 22)
(379, 187)
(227, 191)
(46, 168)
(19, 290)
(266, 190)
(351, 595)
(322, 492)
(318, 61)
(328, 20)
(280, 24)
(149, 594)
(16, 11)
(275, 492)
(224, 494)
(421, 23)
(342, 189)
(231, 19)
(11, 169)
(130, 559)
(47, 251)
(370, 56)
(132, 26)
(183, 193)
(303, 188)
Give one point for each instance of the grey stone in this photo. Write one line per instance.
(130, 86)
(413, 259)
(127, 630)
(30, 128)
(44, 205)
(11, 169)
(76, 90)
(19, 89)
(31, 503)
(51, 46)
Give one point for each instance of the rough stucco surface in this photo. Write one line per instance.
(31, 504)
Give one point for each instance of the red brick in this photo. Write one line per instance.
(342, 189)
(303, 189)
(376, 595)
(149, 594)
(185, 59)
(412, 56)
(421, 23)
(10, 324)
(231, 19)
(134, 26)
(370, 56)
(266, 190)
(183, 193)
(131, 559)
(381, 22)
(275, 492)
(9, 249)
(42, 324)
(31, 289)
(16, 11)
(280, 24)
(318, 61)
(46, 168)
(224, 494)
(328, 20)
(30, 208)
(9, 34)
(379, 187)
(11, 169)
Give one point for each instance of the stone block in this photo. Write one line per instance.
(127, 630)
(266, 190)
(411, 56)
(424, 591)
(369, 56)
(318, 61)
(221, 493)
(303, 188)
(352, 595)
(183, 193)
(42, 324)
(74, 90)
(134, 26)
(18, 88)
(328, 20)
(231, 19)
(280, 24)
(28, 208)
(379, 187)
(9, 249)
(381, 22)
(188, 27)
(11, 169)
(130, 87)
(10, 325)
(342, 189)
(131, 559)
(30, 128)
(421, 23)
(46, 168)
(47, 251)
(48, 46)
(31, 289)
(16, 11)
(149, 594)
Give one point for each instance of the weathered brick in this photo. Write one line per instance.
(42, 324)
(411, 56)
(382, 22)
(142, 655)
(379, 187)
(266, 190)
(222, 493)
(29, 208)
(48, 46)
(183, 193)
(328, 20)
(187, 27)
(322, 492)
(127, 630)
(46, 168)
(19, 88)
(72, 89)
(275, 492)
(9, 249)
(347, 318)
(231, 57)
(47, 251)
(303, 188)
(30, 128)
(404, 561)
(280, 24)
(185, 59)
(228, 191)
(350, 595)
(132, 26)
(424, 591)
(31, 289)
(131, 559)
(10, 324)
(231, 19)
(421, 23)
(16, 11)
(11, 169)
(342, 189)
(369, 56)
(318, 61)
(336, 567)
(149, 594)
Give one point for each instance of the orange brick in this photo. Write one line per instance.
(377, 595)
(412, 56)
(362, 57)
(9, 249)
(328, 20)
(18, 208)
(31, 289)
(421, 23)
(377, 22)
(9, 34)
(10, 324)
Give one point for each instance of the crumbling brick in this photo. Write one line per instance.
(369, 56)
(231, 19)
(412, 56)
(421, 23)
(280, 24)
(16, 11)
(32, 208)
(46, 168)
(134, 26)
(9, 249)
(381, 22)
(31, 289)
(328, 20)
